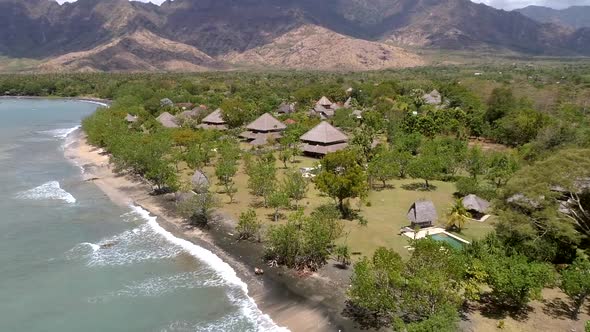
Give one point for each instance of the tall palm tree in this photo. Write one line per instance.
(457, 216)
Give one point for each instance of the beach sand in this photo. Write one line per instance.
(311, 303)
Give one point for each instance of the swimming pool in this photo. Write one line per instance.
(443, 237)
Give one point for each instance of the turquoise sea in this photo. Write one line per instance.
(54, 275)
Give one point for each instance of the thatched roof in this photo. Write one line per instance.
(433, 98)
(323, 149)
(348, 102)
(324, 133)
(285, 108)
(472, 202)
(194, 113)
(422, 212)
(324, 101)
(167, 120)
(199, 181)
(131, 118)
(266, 123)
(214, 118)
(166, 102)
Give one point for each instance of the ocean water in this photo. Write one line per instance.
(54, 274)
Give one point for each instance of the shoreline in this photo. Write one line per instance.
(312, 303)
(92, 100)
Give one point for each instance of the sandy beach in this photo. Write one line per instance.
(310, 303)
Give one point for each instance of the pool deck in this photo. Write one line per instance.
(425, 232)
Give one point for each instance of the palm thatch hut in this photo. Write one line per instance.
(422, 214)
(167, 120)
(194, 113)
(325, 102)
(131, 118)
(262, 129)
(200, 182)
(286, 108)
(476, 206)
(433, 98)
(214, 121)
(323, 139)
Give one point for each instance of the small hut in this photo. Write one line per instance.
(286, 108)
(262, 129)
(476, 206)
(432, 98)
(422, 214)
(323, 139)
(200, 182)
(214, 121)
(194, 113)
(167, 120)
(324, 102)
(131, 118)
(166, 102)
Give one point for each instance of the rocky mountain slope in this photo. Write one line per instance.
(105, 35)
(575, 16)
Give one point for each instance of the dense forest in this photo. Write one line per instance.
(518, 136)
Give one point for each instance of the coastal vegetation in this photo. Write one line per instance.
(513, 136)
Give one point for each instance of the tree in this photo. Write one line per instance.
(514, 280)
(501, 167)
(198, 209)
(262, 177)
(342, 255)
(342, 177)
(225, 170)
(248, 225)
(276, 200)
(475, 162)
(383, 166)
(457, 216)
(500, 103)
(427, 166)
(236, 112)
(363, 141)
(411, 295)
(295, 186)
(575, 282)
(285, 154)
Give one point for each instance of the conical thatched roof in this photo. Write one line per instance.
(167, 120)
(131, 118)
(324, 101)
(199, 181)
(472, 202)
(266, 123)
(285, 108)
(324, 133)
(433, 98)
(215, 118)
(422, 212)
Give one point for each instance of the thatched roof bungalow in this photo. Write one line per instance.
(167, 120)
(323, 139)
(131, 118)
(194, 113)
(325, 102)
(477, 206)
(286, 108)
(422, 214)
(262, 129)
(214, 121)
(433, 98)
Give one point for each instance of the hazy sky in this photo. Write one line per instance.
(503, 4)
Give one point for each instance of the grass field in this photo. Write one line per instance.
(384, 209)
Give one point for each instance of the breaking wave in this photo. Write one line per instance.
(61, 133)
(48, 191)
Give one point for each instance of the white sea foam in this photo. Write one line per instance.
(248, 306)
(61, 133)
(48, 191)
(158, 286)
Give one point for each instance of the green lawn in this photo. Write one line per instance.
(386, 213)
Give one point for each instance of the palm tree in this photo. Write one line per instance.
(457, 216)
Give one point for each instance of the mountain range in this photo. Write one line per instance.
(575, 16)
(192, 35)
